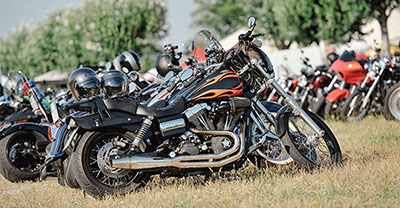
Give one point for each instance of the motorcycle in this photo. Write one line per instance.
(391, 106)
(23, 140)
(350, 73)
(117, 143)
(370, 97)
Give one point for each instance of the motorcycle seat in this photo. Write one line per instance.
(176, 107)
(127, 105)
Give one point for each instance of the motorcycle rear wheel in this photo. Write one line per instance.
(91, 166)
(319, 152)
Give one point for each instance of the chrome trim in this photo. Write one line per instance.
(191, 161)
(70, 138)
(289, 100)
(172, 125)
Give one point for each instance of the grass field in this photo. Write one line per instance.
(369, 177)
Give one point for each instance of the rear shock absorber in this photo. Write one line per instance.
(138, 142)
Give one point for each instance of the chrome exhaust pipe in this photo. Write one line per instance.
(191, 161)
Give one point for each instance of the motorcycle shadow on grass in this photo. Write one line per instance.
(249, 173)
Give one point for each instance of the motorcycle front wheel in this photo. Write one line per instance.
(272, 152)
(19, 156)
(92, 167)
(392, 103)
(352, 110)
(305, 149)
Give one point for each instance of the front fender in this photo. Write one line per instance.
(279, 120)
(337, 94)
(28, 126)
(271, 106)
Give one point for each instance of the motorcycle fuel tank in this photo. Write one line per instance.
(221, 83)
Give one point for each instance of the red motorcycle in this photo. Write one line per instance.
(349, 74)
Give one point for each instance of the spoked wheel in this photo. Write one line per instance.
(352, 109)
(332, 110)
(19, 157)
(308, 150)
(392, 103)
(92, 166)
(272, 152)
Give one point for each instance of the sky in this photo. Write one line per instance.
(15, 12)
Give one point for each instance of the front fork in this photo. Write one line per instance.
(297, 108)
(289, 100)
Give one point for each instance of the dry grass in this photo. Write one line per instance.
(369, 177)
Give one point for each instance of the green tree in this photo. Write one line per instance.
(97, 30)
(290, 21)
(381, 10)
(223, 16)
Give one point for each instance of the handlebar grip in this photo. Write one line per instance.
(175, 68)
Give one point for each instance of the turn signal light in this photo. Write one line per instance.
(26, 86)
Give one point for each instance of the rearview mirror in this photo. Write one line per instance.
(108, 65)
(186, 74)
(251, 22)
(167, 77)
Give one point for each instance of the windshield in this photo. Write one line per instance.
(205, 46)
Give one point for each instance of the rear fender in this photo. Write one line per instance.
(83, 133)
(337, 94)
(27, 126)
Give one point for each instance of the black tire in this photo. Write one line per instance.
(332, 110)
(84, 171)
(351, 110)
(14, 164)
(318, 107)
(69, 175)
(392, 103)
(294, 142)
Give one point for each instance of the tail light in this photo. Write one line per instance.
(21, 121)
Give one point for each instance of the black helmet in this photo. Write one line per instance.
(162, 64)
(83, 83)
(114, 83)
(126, 62)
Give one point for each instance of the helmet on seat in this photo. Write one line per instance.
(162, 64)
(114, 84)
(83, 83)
(126, 62)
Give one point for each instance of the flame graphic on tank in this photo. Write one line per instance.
(220, 86)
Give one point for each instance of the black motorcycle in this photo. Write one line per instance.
(115, 144)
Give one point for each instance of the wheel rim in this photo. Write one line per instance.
(354, 112)
(394, 103)
(316, 150)
(98, 162)
(273, 150)
(20, 154)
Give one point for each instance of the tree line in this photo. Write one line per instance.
(303, 22)
(97, 30)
